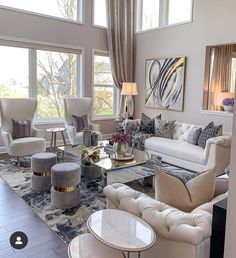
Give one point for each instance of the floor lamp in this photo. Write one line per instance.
(129, 89)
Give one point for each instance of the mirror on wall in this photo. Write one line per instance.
(220, 77)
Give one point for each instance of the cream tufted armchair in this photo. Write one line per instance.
(20, 109)
(179, 234)
(78, 107)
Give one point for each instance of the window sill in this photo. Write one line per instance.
(217, 113)
(164, 27)
(48, 122)
(103, 118)
(14, 9)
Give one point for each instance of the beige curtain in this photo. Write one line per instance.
(221, 71)
(120, 38)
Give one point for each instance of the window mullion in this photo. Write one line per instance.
(163, 13)
(32, 73)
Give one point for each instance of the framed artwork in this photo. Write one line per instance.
(164, 79)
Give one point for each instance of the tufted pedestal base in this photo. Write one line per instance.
(92, 171)
(65, 200)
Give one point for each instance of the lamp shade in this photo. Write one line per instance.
(218, 97)
(129, 88)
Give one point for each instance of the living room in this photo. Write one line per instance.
(105, 44)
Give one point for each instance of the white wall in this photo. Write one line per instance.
(213, 23)
(26, 26)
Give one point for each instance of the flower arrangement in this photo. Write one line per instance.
(228, 102)
(120, 138)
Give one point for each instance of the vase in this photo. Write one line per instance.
(228, 108)
(120, 148)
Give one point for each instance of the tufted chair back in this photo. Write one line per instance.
(18, 109)
(77, 107)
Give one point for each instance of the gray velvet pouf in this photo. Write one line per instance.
(41, 164)
(65, 191)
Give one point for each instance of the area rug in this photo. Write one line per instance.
(69, 223)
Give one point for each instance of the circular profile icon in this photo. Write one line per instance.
(18, 240)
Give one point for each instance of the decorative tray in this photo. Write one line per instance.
(124, 157)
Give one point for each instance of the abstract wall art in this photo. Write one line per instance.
(165, 83)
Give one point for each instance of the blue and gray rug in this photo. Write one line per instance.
(69, 223)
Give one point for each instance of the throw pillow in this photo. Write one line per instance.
(208, 132)
(194, 135)
(164, 129)
(184, 196)
(21, 129)
(147, 124)
(80, 122)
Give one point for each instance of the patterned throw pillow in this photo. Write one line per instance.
(80, 122)
(208, 132)
(194, 135)
(21, 129)
(148, 124)
(164, 129)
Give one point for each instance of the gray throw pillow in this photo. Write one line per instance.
(208, 132)
(148, 124)
(164, 129)
(194, 135)
(80, 122)
(21, 129)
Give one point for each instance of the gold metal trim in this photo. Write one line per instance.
(42, 174)
(66, 189)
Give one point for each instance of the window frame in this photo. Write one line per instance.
(115, 90)
(48, 16)
(32, 53)
(163, 16)
(93, 15)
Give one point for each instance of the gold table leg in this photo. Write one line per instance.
(55, 142)
(63, 137)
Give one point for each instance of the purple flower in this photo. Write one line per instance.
(228, 102)
(120, 137)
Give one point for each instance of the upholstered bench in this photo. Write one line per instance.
(41, 164)
(65, 191)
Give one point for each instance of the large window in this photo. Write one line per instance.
(179, 11)
(100, 13)
(48, 76)
(14, 67)
(104, 92)
(161, 13)
(66, 9)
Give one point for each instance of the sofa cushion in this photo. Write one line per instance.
(185, 197)
(21, 128)
(208, 132)
(181, 131)
(147, 124)
(164, 129)
(177, 149)
(194, 135)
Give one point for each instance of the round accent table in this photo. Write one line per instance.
(122, 231)
(53, 132)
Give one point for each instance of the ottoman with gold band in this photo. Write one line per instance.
(65, 191)
(41, 164)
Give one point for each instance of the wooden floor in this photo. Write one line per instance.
(16, 215)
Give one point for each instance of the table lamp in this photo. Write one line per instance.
(129, 89)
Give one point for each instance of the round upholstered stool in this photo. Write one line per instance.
(41, 164)
(65, 191)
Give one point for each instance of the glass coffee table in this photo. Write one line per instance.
(116, 171)
(122, 231)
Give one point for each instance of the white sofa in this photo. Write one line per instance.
(178, 152)
(179, 234)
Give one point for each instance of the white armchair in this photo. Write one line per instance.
(179, 234)
(20, 109)
(78, 107)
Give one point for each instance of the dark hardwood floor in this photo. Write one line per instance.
(16, 215)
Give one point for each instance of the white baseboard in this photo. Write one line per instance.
(59, 142)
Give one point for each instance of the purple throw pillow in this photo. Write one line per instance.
(80, 122)
(21, 128)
